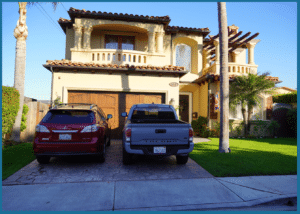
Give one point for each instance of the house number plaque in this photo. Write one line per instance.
(173, 84)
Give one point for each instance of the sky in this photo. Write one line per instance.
(275, 53)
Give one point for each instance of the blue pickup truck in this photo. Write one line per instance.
(154, 129)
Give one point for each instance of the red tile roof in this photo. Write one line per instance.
(176, 29)
(67, 64)
(165, 20)
(215, 77)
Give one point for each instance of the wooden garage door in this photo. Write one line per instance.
(115, 104)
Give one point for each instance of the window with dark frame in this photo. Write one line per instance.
(119, 42)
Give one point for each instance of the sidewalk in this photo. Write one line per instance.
(152, 195)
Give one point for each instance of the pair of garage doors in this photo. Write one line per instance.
(115, 103)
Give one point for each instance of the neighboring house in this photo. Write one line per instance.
(117, 60)
(284, 90)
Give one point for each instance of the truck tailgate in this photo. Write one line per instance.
(159, 134)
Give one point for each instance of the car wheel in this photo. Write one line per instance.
(182, 159)
(108, 143)
(43, 159)
(101, 158)
(127, 157)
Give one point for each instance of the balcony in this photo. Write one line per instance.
(233, 68)
(119, 57)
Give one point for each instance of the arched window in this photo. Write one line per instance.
(183, 56)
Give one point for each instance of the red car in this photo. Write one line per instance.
(72, 129)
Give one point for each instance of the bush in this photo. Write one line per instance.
(10, 107)
(273, 127)
(24, 118)
(292, 121)
(285, 98)
(200, 127)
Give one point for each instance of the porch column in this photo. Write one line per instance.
(87, 37)
(217, 45)
(250, 47)
(151, 41)
(78, 35)
(234, 57)
(160, 42)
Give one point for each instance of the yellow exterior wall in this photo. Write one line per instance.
(203, 99)
(200, 98)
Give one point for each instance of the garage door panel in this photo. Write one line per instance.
(115, 104)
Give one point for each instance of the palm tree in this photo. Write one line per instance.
(224, 80)
(246, 90)
(21, 33)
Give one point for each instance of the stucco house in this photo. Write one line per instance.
(117, 60)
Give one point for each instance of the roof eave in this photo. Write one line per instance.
(124, 70)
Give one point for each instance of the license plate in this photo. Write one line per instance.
(65, 137)
(159, 150)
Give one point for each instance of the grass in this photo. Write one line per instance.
(15, 157)
(248, 157)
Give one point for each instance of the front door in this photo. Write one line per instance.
(184, 108)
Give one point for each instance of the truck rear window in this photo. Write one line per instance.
(68, 117)
(155, 114)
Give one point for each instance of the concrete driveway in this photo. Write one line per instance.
(85, 169)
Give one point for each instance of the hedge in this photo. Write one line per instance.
(24, 118)
(285, 98)
(10, 107)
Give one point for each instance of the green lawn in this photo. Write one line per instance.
(15, 157)
(248, 157)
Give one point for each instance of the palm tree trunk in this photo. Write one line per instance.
(20, 34)
(250, 109)
(224, 79)
(245, 121)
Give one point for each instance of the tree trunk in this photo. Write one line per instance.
(20, 34)
(224, 79)
(245, 121)
(250, 109)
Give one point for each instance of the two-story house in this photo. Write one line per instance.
(117, 60)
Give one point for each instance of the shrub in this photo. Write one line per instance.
(10, 107)
(215, 132)
(273, 127)
(285, 98)
(200, 126)
(24, 118)
(292, 121)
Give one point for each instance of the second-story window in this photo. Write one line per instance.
(119, 42)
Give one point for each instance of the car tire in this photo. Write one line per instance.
(180, 159)
(108, 143)
(101, 158)
(127, 157)
(43, 159)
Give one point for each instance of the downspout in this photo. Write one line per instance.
(51, 102)
(208, 99)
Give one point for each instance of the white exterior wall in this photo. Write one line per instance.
(115, 82)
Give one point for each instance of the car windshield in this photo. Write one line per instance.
(153, 113)
(68, 117)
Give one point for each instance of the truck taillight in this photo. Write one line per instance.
(191, 134)
(128, 134)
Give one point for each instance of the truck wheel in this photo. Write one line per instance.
(43, 159)
(182, 159)
(127, 158)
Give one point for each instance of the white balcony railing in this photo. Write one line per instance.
(233, 68)
(111, 56)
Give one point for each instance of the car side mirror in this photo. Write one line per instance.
(124, 114)
(109, 116)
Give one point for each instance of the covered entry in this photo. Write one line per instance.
(115, 103)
